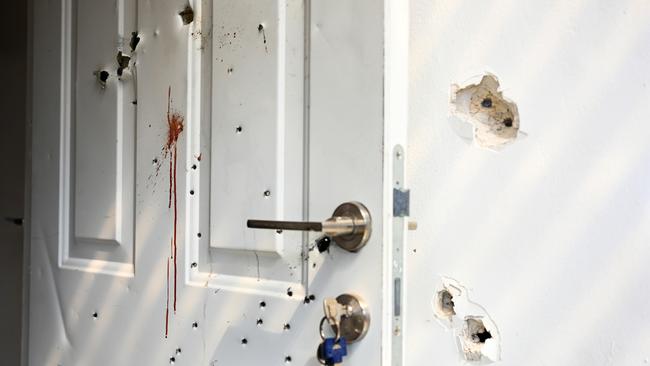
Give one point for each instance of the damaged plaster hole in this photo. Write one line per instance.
(476, 331)
(444, 304)
(493, 119)
(475, 336)
(187, 15)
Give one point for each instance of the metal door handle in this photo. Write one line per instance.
(349, 226)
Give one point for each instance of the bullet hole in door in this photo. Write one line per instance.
(172, 360)
(260, 322)
(286, 327)
(244, 341)
(178, 351)
(494, 119)
(102, 77)
(261, 29)
(95, 315)
(289, 292)
(135, 39)
(122, 62)
(262, 304)
(287, 359)
(195, 325)
(187, 15)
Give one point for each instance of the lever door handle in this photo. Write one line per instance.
(349, 226)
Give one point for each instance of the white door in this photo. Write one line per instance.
(161, 128)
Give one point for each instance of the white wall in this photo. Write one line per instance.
(552, 234)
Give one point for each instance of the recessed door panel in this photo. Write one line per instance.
(256, 170)
(98, 128)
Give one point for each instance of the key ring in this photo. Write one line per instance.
(336, 329)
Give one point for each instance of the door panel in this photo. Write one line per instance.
(256, 146)
(246, 154)
(97, 140)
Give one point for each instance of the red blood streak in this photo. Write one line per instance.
(175, 225)
(174, 129)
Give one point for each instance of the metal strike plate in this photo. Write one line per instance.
(350, 226)
(355, 320)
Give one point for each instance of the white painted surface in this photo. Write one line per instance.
(221, 294)
(551, 234)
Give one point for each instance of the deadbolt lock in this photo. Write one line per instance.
(348, 317)
(349, 227)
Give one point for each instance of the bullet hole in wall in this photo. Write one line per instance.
(476, 334)
(474, 338)
(445, 304)
(187, 15)
(476, 330)
(493, 118)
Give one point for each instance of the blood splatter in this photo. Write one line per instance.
(170, 150)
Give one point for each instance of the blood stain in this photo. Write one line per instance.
(170, 150)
